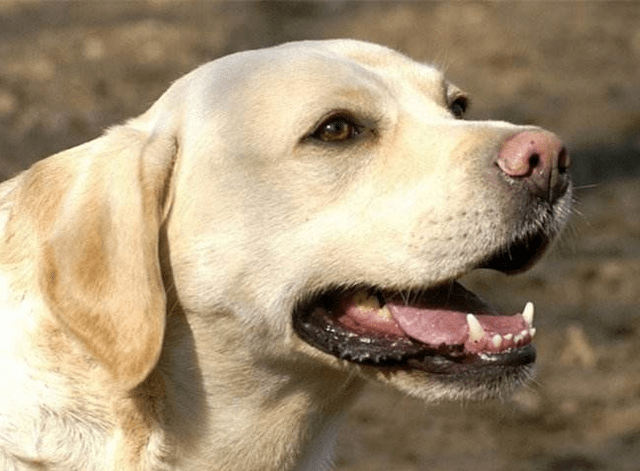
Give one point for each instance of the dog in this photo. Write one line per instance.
(209, 286)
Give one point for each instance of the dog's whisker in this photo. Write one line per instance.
(587, 187)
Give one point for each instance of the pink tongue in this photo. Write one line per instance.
(440, 318)
(433, 327)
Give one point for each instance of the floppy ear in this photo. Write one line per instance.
(98, 210)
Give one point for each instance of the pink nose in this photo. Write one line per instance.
(539, 159)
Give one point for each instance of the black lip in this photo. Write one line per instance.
(524, 250)
(518, 256)
(512, 359)
(538, 225)
(327, 335)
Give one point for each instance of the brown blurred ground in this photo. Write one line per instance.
(68, 70)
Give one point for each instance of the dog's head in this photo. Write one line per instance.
(320, 199)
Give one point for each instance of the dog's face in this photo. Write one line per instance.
(328, 195)
(220, 273)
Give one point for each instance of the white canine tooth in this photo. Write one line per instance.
(527, 313)
(532, 331)
(476, 332)
(497, 340)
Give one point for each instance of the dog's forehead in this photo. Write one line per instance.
(329, 58)
(290, 86)
(321, 66)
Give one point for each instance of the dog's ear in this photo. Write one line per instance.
(97, 212)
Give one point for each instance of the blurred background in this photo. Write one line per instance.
(68, 70)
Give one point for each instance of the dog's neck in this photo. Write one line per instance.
(266, 417)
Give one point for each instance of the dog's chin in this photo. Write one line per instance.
(440, 335)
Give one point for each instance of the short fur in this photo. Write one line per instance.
(148, 277)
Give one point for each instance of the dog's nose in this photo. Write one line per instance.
(539, 159)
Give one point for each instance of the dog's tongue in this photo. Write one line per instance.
(441, 316)
(452, 315)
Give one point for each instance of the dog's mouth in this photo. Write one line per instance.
(445, 329)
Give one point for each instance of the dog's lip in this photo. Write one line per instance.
(521, 253)
(442, 329)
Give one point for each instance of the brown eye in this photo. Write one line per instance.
(459, 106)
(337, 129)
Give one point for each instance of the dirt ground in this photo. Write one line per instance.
(70, 69)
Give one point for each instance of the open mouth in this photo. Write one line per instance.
(445, 329)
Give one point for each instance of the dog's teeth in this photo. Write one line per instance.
(527, 313)
(497, 340)
(508, 336)
(384, 313)
(521, 335)
(372, 305)
(486, 357)
(365, 301)
(532, 331)
(476, 332)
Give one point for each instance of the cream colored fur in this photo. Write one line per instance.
(148, 278)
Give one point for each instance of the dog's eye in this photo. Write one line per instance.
(337, 128)
(459, 106)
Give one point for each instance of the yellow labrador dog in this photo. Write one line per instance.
(207, 286)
